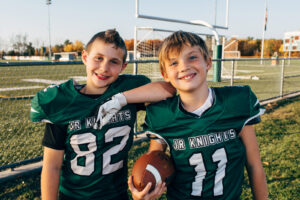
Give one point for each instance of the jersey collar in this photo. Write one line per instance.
(207, 104)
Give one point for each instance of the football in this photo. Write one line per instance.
(154, 166)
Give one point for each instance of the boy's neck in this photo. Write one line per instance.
(92, 91)
(193, 100)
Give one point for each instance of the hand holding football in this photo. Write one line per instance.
(154, 166)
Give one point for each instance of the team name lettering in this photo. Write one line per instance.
(74, 125)
(211, 139)
(178, 144)
(124, 115)
(121, 116)
(90, 121)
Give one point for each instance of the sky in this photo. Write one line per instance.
(81, 19)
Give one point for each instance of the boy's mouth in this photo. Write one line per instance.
(188, 77)
(101, 76)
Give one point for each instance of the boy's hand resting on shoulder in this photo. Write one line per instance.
(144, 194)
(109, 108)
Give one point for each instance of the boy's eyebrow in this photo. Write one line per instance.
(113, 58)
(193, 51)
(171, 58)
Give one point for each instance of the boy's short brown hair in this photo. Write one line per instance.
(175, 43)
(109, 36)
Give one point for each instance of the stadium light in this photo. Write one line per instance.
(48, 2)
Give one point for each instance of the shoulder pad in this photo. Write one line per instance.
(49, 101)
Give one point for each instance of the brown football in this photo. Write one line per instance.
(152, 167)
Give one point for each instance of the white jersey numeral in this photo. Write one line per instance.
(197, 160)
(109, 137)
(90, 140)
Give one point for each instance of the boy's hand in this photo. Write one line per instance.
(109, 108)
(144, 194)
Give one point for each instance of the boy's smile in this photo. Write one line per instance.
(101, 76)
(188, 77)
(104, 63)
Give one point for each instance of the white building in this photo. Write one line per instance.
(65, 56)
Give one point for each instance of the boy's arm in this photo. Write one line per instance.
(52, 162)
(254, 166)
(156, 146)
(151, 92)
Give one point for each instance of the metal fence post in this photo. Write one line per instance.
(217, 65)
(232, 73)
(135, 65)
(282, 78)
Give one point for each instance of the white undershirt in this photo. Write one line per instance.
(207, 104)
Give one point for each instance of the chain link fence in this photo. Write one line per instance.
(20, 140)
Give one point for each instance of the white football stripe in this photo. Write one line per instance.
(33, 110)
(155, 173)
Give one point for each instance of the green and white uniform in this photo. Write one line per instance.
(95, 161)
(208, 153)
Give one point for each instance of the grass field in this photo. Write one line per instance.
(278, 136)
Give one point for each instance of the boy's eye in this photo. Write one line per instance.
(99, 58)
(173, 63)
(115, 62)
(193, 57)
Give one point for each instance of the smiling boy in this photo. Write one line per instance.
(209, 131)
(82, 161)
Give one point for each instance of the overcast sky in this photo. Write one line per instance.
(81, 19)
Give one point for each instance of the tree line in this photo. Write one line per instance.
(248, 47)
(22, 47)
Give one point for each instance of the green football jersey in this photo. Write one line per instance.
(208, 154)
(95, 161)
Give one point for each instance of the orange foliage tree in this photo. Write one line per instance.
(129, 44)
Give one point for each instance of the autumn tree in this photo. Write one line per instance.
(58, 48)
(129, 44)
(271, 46)
(70, 47)
(248, 47)
(78, 46)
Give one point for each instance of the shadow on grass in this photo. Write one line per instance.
(26, 187)
(291, 178)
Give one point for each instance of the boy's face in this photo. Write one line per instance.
(104, 63)
(187, 70)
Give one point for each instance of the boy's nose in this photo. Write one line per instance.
(103, 66)
(184, 66)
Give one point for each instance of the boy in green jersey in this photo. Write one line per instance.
(82, 161)
(209, 131)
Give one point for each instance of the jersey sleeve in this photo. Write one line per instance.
(48, 102)
(55, 136)
(37, 113)
(255, 109)
(128, 81)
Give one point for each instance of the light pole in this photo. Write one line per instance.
(48, 2)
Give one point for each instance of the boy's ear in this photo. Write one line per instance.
(165, 77)
(208, 64)
(124, 66)
(84, 55)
